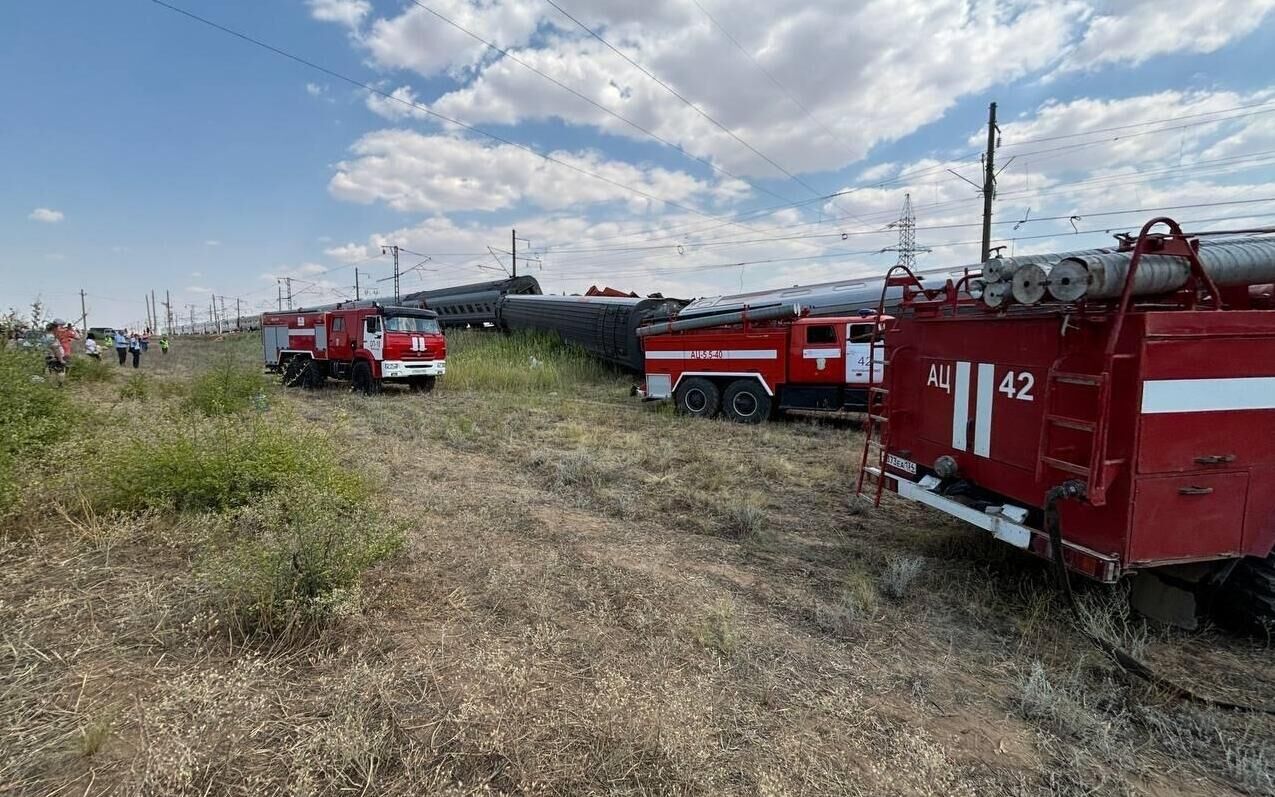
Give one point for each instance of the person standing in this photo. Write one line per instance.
(54, 354)
(66, 335)
(163, 344)
(135, 348)
(121, 345)
(90, 347)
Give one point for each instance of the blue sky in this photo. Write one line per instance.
(149, 151)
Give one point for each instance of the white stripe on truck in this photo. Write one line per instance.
(1208, 395)
(715, 354)
(983, 409)
(961, 407)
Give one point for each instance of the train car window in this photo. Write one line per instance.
(821, 334)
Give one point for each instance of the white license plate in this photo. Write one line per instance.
(899, 463)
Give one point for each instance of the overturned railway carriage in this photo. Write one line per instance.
(604, 326)
(476, 304)
(1115, 436)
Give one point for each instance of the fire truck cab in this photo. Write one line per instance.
(752, 369)
(365, 343)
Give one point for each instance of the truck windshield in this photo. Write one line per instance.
(407, 323)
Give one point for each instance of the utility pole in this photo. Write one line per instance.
(168, 312)
(279, 289)
(84, 314)
(154, 314)
(223, 317)
(513, 250)
(989, 180)
(394, 250)
(238, 316)
(288, 282)
(356, 283)
(192, 318)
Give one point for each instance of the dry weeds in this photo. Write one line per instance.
(596, 597)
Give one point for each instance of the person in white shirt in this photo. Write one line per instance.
(90, 347)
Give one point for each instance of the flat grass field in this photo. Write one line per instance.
(528, 582)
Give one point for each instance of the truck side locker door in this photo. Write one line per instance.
(816, 351)
(338, 337)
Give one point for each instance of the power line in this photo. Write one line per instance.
(943, 245)
(774, 80)
(595, 104)
(922, 228)
(684, 100)
(1150, 122)
(425, 109)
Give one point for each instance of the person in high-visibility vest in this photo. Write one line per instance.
(163, 345)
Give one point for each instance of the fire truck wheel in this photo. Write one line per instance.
(294, 370)
(699, 397)
(1247, 599)
(746, 402)
(361, 380)
(314, 376)
(422, 384)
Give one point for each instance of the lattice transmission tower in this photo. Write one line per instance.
(906, 226)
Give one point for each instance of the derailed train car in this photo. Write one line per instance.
(605, 326)
(475, 304)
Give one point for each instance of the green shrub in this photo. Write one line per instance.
(292, 559)
(214, 466)
(34, 412)
(226, 388)
(135, 388)
(87, 369)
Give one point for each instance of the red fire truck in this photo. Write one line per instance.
(364, 342)
(751, 363)
(1129, 429)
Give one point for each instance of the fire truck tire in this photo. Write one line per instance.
(422, 384)
(294, 370)
(746, 402)
(699, 397)
(1247, 599)
(361, 380)
(314, 375)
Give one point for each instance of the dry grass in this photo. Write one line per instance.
(595, 597)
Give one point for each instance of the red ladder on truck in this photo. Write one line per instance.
(876, 428)
(1099, 471)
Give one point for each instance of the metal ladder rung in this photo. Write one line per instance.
(879, 418)
(1078, 379)
(1064, 465)
(1071, 423)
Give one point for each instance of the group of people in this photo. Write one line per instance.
(60, 337)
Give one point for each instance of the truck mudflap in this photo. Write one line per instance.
(1005, 522)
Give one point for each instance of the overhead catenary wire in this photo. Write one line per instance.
(769, 75)
(683, 99)
(645, 131)
(427, 110)
(694, 268)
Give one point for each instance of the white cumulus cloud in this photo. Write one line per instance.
(46, 215)
(412, 171)
(345, 12)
